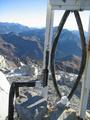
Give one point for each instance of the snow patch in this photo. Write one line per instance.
(4, 96)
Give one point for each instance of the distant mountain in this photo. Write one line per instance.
(69, 63)
(18, 41)
(35, 33)
(15, 46)
(77, 33)
(69, 44)
(6, 27)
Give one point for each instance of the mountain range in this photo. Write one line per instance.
(6, 27)
(18, 41)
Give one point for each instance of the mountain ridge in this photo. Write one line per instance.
(6, 27)
(30, 43)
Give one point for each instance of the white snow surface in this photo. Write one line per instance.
(4, 96)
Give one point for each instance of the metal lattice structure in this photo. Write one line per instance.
(78, 5)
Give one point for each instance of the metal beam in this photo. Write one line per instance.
(86, 82)
(70, 4)
(47, 44)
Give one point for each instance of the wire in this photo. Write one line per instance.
(52, 60)
(53, 50)
(45, 71)
(84, 53)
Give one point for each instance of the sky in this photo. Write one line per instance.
(32, 13)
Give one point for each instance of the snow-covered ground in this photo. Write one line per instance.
(24, 70)
(3, 64)
(4, 96)
(65, 83)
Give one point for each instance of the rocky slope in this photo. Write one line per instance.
(21, 42)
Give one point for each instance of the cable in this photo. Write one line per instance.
(52, 60)
(53, 50)
(45, 70)
(84, 53)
